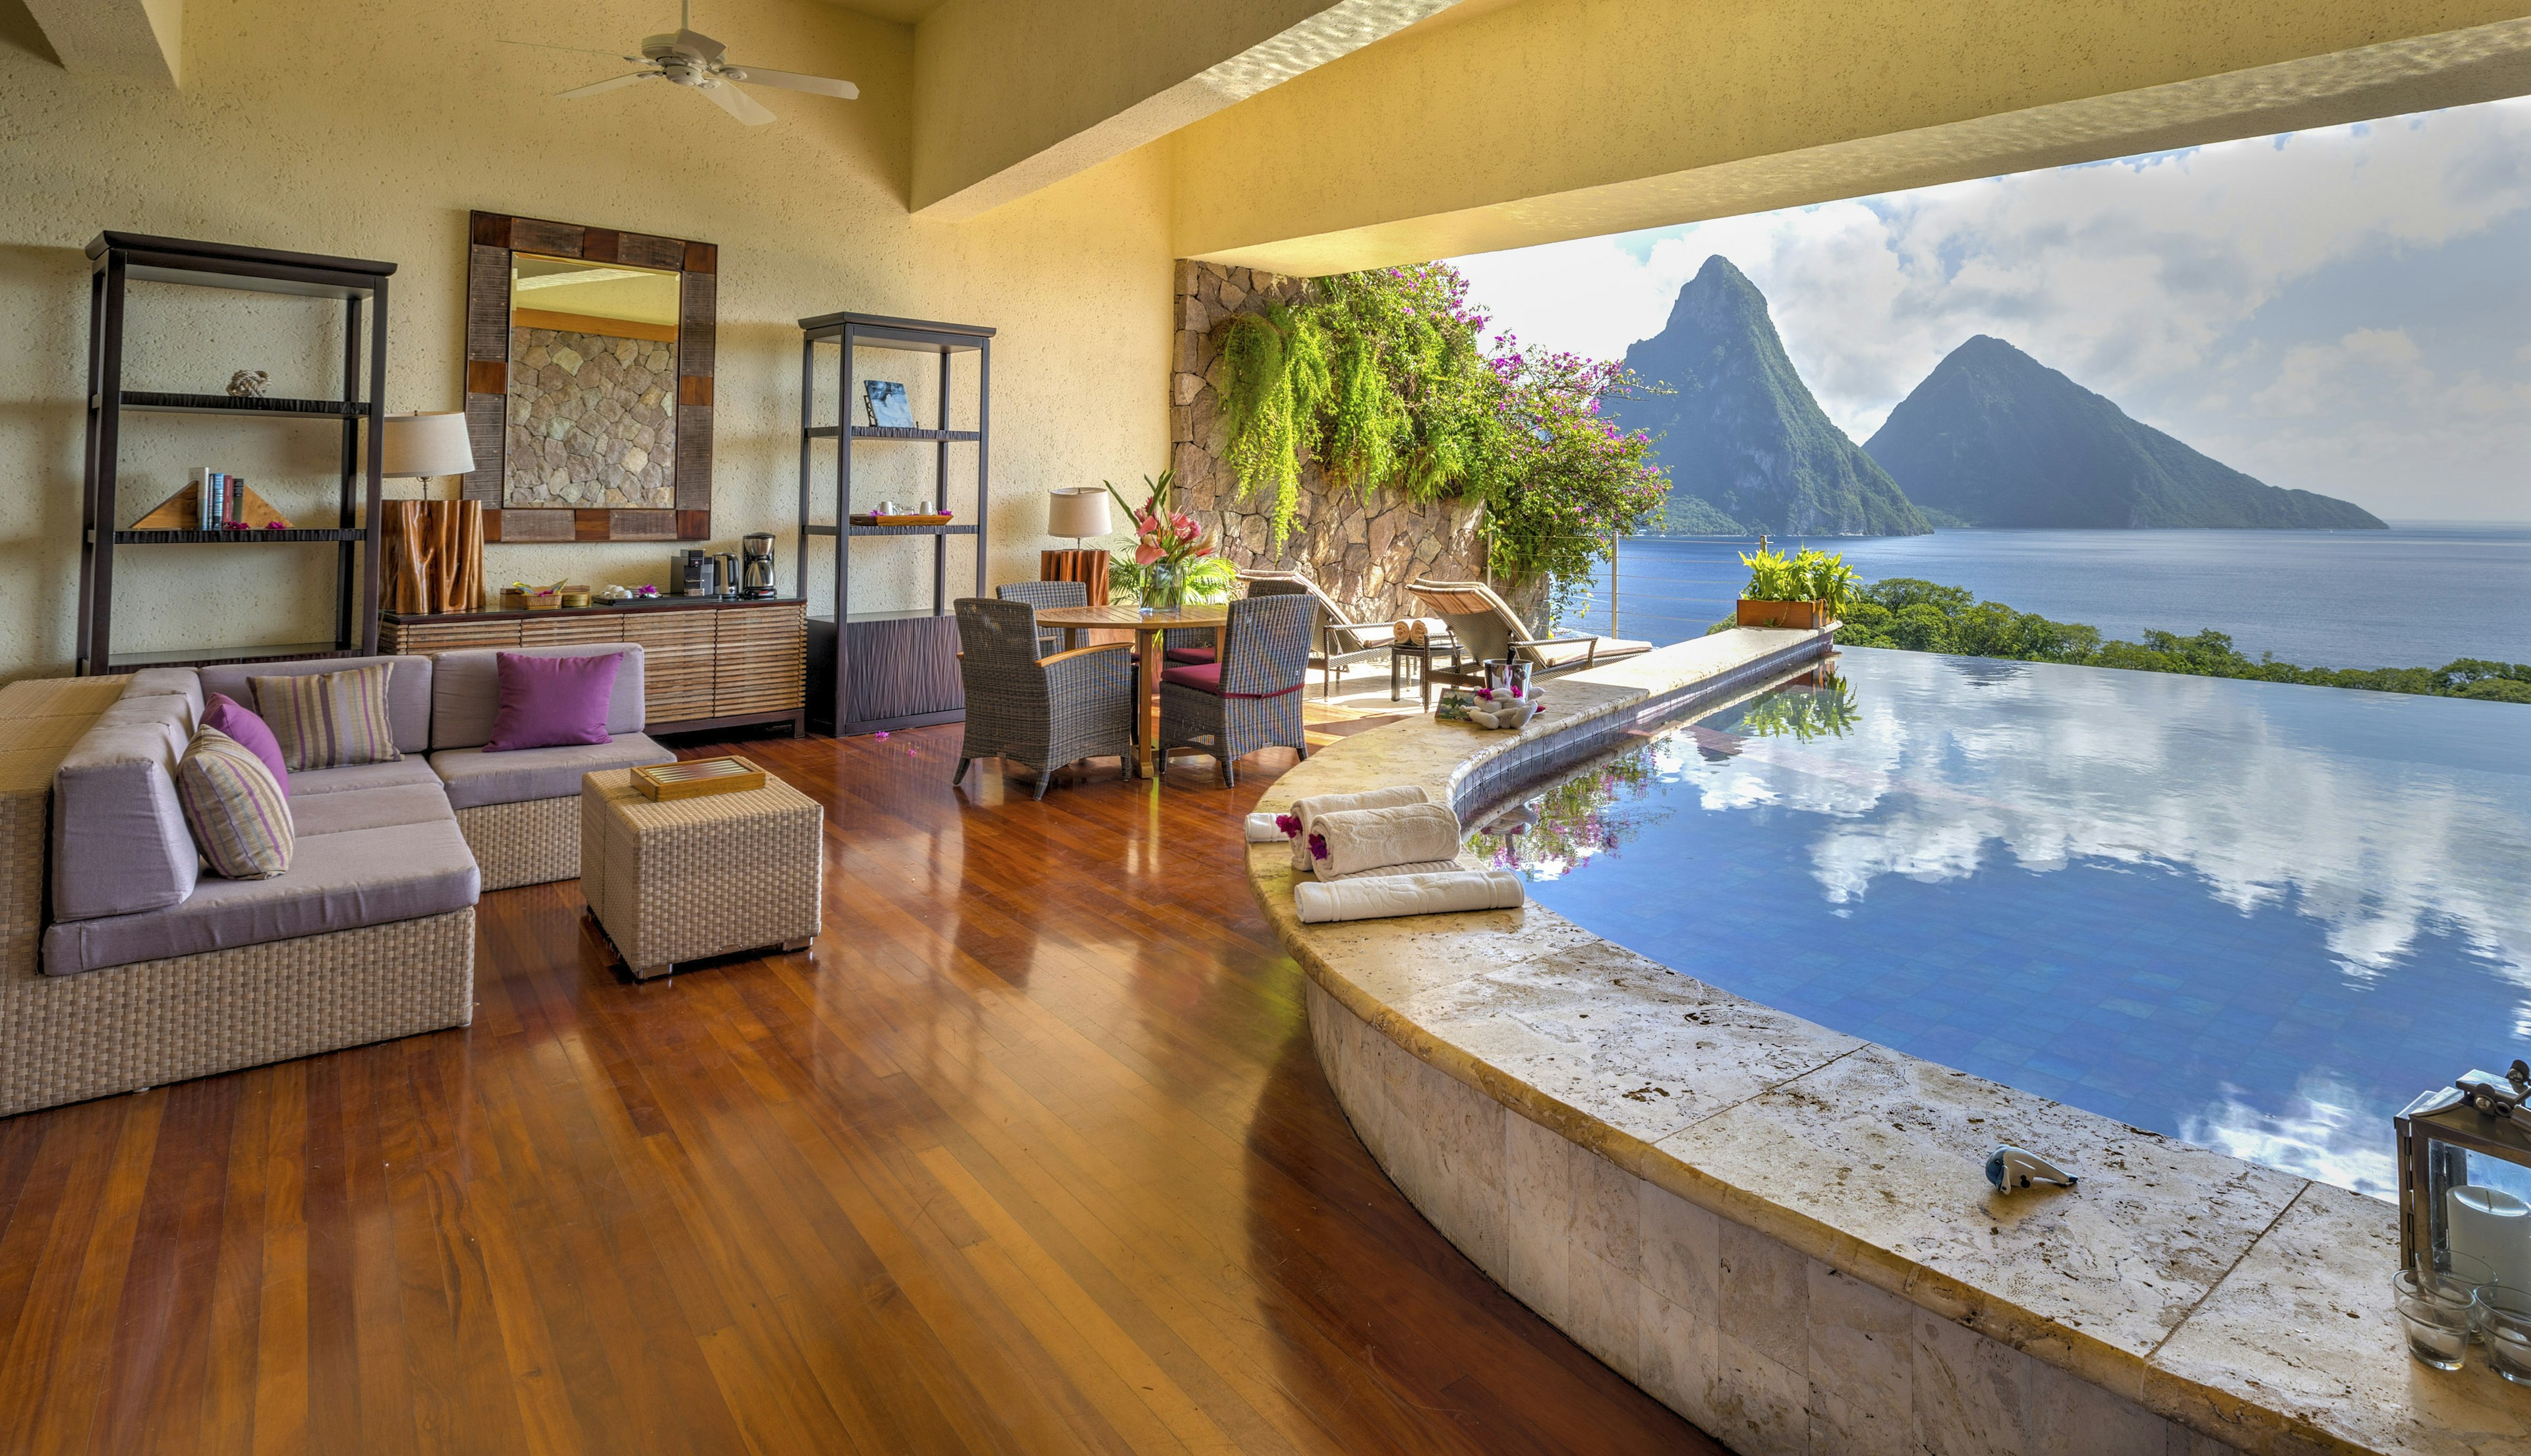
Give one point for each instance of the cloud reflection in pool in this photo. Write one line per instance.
(2257, 916)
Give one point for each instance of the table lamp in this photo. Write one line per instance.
(421, 446)
(433, 550)
(1078, 511)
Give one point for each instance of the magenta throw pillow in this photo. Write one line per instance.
(253, 733)
(551, 701)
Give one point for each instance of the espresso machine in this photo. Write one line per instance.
(756, 567)
(691, 574)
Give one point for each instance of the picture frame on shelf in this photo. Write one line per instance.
(886, 402)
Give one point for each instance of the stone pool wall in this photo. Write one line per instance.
(1783, 1232)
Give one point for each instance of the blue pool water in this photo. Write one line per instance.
(2258, 916)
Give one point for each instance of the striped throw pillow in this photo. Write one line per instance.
(330, 719)
(238, 813)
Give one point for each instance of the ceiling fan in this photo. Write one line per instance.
(689, 59)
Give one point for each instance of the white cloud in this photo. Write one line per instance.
(2198, 289)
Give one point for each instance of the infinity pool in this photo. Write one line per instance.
(2260, 917)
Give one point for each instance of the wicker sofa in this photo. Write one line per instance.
(123, 964)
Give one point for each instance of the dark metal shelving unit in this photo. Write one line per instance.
(875, 671)
(119, 259)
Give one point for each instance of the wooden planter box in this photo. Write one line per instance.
(1804, 616)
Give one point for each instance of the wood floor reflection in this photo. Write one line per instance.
(1028, 1155)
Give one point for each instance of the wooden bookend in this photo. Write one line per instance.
(182, 512)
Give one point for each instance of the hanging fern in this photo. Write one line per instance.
(1278, 384)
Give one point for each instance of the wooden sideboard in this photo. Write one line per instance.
(707, 662)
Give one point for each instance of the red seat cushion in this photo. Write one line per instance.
(1190, 655)
(1204, 677)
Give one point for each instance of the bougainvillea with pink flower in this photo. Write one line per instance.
(1389, 382)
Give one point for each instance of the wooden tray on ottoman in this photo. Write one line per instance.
(680, 880)
(694, 778)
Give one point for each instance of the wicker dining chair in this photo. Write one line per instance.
(1041, 596)
(1250, 699)
(1336, 640)
(1043, 713)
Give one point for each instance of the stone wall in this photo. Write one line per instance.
(1363, 553)
(590, 422)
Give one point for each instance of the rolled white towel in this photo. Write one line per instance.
(1378, 897)
(1352, 839)
(1262, 829)
(1428, 867)
(1317, 804)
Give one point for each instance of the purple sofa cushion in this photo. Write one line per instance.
(466, 690)
(338, 881)
(120, 841)
(251, 733)
(550, 703)
(477, 777)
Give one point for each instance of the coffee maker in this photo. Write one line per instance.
(756, 571)
(690, 574)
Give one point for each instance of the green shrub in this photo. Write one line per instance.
(1919, 616)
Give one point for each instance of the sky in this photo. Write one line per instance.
(2346, 310)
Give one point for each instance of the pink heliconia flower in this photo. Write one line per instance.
(1146, 553)
(1186, 527)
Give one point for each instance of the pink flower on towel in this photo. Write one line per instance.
(1289, 824)
(1318, 846)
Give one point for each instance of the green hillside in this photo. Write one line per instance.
(1994, 437)
(1745, 445)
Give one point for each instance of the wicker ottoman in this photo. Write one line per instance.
(683, 878)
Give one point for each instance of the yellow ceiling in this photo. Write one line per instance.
(903, 12)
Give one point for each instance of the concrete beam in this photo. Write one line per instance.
(141, 40)
(1011, 96)
(1556, 119)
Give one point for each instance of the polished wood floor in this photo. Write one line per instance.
(1028, 1155)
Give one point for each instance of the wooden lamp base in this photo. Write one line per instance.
(1087, 567)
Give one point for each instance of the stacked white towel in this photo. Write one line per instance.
(1353, 840)
(1262, 829)
(1378, 897)
(1306, 809)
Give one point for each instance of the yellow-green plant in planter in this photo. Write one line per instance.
(1806, 591)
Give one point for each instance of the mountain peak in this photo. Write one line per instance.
(1745, 445)
(1994, 437)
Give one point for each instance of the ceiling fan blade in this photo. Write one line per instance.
(737, 103)
(577, 50)
(793, 81)
(608, 85)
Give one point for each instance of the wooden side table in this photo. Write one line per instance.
(679, 879)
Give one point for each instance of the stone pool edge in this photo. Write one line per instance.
(2267, 1337)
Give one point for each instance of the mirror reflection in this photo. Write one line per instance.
(593, 416)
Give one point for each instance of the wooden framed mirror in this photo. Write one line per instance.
(589, 381)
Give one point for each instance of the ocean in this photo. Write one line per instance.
(2417, 595)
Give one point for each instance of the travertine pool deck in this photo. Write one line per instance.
(1786, 1233)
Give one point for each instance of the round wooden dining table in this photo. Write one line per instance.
(1151, 629)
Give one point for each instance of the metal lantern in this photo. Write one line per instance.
(2481, 1113)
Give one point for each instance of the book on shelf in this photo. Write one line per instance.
(233, 503)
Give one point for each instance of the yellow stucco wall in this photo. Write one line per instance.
(369, 129)
(1551, 119)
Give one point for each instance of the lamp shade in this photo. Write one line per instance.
(1077, 512)
(425, 445)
